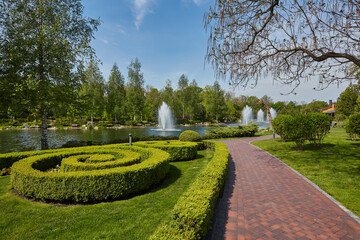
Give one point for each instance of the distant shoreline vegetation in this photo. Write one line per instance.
(52, 125)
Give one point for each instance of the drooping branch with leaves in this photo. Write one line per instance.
(293, 40)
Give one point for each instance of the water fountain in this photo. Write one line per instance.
(166, 121)
(260, 116)
(273, 113)
(246, 115)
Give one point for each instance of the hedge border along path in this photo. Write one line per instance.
(29, 179)
(191, 216)
(178, 150)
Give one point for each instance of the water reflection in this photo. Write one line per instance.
(21, 140)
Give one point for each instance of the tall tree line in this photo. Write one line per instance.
(125, 100)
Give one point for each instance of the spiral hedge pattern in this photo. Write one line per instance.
(89, 174)
(178, 150)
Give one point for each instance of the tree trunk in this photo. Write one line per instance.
(44, 137)
(134, 116)
(269, 117)
(141, 116)
(183, 111)
(92, 118)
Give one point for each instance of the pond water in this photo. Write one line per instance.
(21, 140)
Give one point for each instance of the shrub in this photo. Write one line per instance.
(353, 125)
(320, 126)
(82, 180)
(179, 151)
(301, 128)
(190, 136)
(191, 216)
(281, 125)
(226, 132)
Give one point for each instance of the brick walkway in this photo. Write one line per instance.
(264, 199)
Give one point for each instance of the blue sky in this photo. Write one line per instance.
(168, 38)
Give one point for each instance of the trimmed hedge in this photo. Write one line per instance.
(190, 136)
(89, 183)
(179, 151)
(191, 216)
(97, 160)
(8, 159)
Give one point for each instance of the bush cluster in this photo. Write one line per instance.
(89, 174)
(301, 128)
(226, 132)
(190, 136)
(191, 216)
(352, 125)
(179, 151)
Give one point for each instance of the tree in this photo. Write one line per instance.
(136, 98)
(314, 106)
(214, 101)
(42, 43)
(92, 91)
(266, 102)
(116, 94)
(294, 40)
(182, 92)
(352, 125)
(168, 96)
(195, 108)
(152, 103)
(346, 103)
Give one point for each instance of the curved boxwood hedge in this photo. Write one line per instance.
(120, 172)
(191, 216)
(179, 151)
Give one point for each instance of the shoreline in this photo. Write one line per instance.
(114, 127)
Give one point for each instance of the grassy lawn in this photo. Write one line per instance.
(134, 218)
(334, 167)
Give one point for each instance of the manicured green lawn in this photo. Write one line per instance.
(335, 167)
(134, 218)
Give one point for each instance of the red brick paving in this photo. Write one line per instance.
(265, 199)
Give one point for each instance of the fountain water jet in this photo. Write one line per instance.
(260, 116)
(166, 121)
(273, 114)
(246, 115)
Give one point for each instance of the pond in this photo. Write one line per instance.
(14, 140)
(20, 140)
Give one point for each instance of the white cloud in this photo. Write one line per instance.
(140, 9)
(104, 41)
(197, 2)
(120, 29)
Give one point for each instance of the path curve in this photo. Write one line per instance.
(265, 199)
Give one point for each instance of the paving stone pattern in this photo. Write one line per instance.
(265, 199)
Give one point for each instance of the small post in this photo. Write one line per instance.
(273, 133)
(130, 139)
